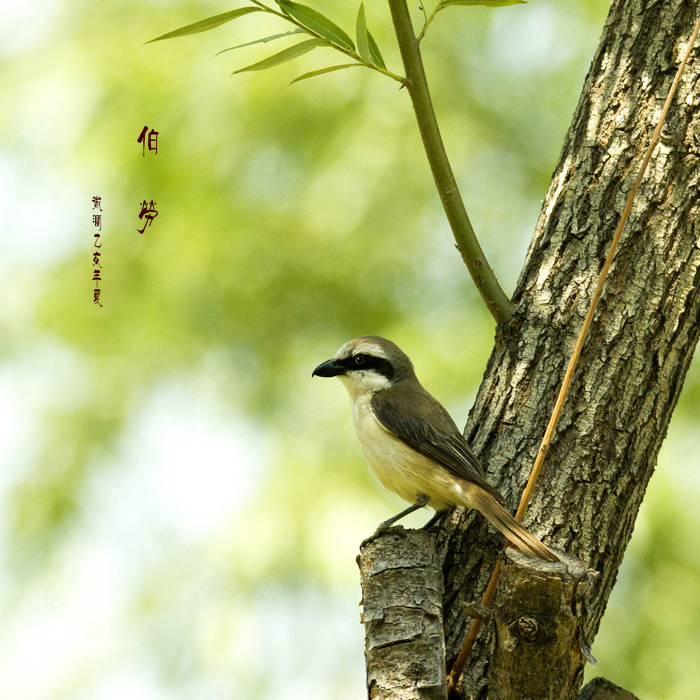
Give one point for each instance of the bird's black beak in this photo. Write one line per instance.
(330, 368)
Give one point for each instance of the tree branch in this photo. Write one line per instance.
(484, 277)
(402, 613)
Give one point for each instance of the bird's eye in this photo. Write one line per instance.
(360, 359)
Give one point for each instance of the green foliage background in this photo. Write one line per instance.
(181, 504)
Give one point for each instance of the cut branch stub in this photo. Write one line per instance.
(602, 689)
(537, 650)
(402, 613)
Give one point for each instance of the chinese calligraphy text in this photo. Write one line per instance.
(152, 140)
(97, 223)
(148, 212)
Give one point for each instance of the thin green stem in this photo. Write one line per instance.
(425, 14)
(264, 7)
(491, 292)
(428, 20)
(384, 71)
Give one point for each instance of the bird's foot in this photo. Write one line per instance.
(435, 520)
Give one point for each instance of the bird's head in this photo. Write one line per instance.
(368, 364)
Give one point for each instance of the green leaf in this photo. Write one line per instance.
(262, 41)
(209, 23)
(366, 45)
(487, 3)
(374, 51)
(285, 55)
(324, 70)
(317, 23)
(363, 35)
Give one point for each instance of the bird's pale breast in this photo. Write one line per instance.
(400, 468)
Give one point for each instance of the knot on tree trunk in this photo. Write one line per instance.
(536, 628)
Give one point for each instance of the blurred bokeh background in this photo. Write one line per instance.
(181, 504)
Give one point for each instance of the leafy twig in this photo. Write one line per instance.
(306, 20)
(325, 33)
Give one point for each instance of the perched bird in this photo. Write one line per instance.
(410, 441)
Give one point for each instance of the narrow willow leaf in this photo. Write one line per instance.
(209, 23)
(324, 70)
(363, 36)
(285, 55)
(487, 3)
(261, 41)
(317, 23)
(374, 51)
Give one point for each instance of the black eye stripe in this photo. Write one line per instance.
(378, 364)
(348, 362)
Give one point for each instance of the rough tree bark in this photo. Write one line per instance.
(643, 337)
(402, 613)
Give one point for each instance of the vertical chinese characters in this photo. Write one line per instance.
(148, 209)
(97, 223)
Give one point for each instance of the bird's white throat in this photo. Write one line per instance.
(361, 382)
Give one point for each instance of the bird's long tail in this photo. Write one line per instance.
(503, 521)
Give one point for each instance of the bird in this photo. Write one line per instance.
(411, 442)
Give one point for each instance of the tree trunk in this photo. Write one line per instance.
(536, 629)
(642, 339)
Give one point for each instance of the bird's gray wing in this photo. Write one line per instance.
(419, 420)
